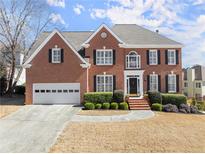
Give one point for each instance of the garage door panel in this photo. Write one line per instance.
(56, 93)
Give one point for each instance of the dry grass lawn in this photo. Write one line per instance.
(166, 132)
(102, 112)
(7, 109)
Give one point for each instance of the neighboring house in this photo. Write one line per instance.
(194, 82)
(5, 58)
(62, 66)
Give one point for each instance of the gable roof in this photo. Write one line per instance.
(108, 29)
(128, 34)
(42, 41)
(136, 35)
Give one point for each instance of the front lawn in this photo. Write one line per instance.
(166, 132)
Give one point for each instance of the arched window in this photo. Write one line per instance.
(133, 60)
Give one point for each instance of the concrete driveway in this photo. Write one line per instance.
(33, 128)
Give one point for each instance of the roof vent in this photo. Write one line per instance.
(157, 31)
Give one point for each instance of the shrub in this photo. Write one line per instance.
(114, 106)
(154, 97)
(3, 84)
(194, 109)
(175, 99)
(123, 106)
(98, 106)
(170, 108)
(98, 97)
(184, 108)
(201, 105)
(193, 101)
(106, 105)
(19, 90)
(118, 96)
(156, 107)
(89, 106)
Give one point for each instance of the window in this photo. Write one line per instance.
(153, 80)
(153, 59)
(185, 84)
(133, 60)
(171, 57)
(56, 55)
(172, 83)
(104, 83)
(198, 84)
(104, 57)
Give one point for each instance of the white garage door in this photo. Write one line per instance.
(56, 93)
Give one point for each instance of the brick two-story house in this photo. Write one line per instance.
(62, 66)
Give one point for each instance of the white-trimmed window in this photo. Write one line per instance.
(153, 82)
(104, 83)
(171, 57)
(198, 84)
(172, 86)
(153, 57)
(133, 60)
(185, 84)
(56, 55)
(104, 56)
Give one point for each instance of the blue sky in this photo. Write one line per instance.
(181, 20)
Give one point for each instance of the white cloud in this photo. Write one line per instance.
(56, 18)
(198, 2)
(78, 9)
(58, 3)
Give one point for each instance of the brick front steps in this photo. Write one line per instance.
(138, 104)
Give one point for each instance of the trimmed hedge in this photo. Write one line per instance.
(89, 106)
(118, 96)
(98, 106)
(114, 106)
(156, 107)
(123, 106)
(98, 97)
(154, 97)
(174, 99)
(106, 105)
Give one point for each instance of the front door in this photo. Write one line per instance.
(133, 85)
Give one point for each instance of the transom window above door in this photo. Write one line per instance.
(133, 60)
(104, 56)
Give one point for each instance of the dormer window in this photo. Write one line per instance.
(133, 60)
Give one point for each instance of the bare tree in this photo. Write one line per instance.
(21, 22)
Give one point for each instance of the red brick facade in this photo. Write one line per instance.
(70, 70)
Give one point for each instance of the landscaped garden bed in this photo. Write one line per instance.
(105, 101)
(173, 103)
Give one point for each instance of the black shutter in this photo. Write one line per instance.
(114, 82)
(159, 83)
(166, 56)
(148, 86)
(94, 57)
(94, 83)
(49, 55)
(158, 54)
(62, 55)
(147, 57)
(166, 83)
(113, 54)
(177, 82)
(177, 57)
